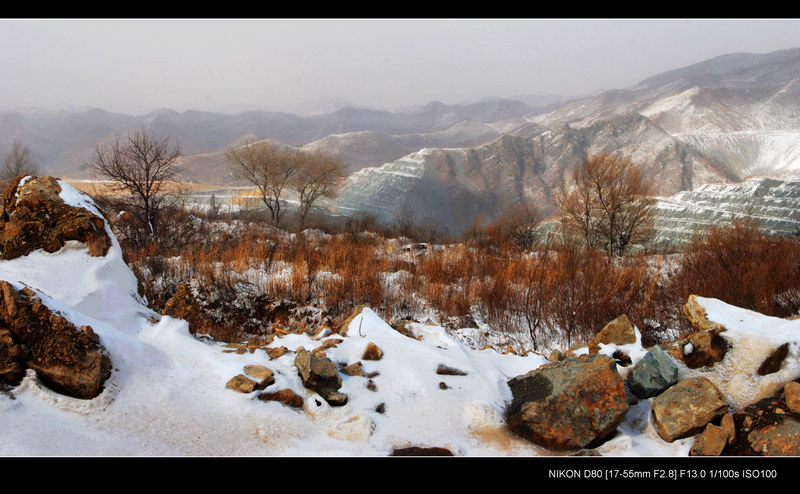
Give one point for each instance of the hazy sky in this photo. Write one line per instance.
(136, 66)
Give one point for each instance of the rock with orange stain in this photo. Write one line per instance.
(573, 404)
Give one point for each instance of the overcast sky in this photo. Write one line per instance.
(136, 66)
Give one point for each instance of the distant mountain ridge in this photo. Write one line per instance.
(714, 122)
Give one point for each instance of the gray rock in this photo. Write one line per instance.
(653, 374)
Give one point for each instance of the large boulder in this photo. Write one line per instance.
(69, 360)
(685, 409)
(573, 404)
(34, 216)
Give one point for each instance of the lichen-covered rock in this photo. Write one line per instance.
(67, 359)
(573, 404)
(686, 408)
(34, 216)
(781, 438)
(653, 374)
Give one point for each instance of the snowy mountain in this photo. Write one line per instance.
(684, 136)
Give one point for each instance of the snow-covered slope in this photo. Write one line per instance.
(167, 395)
(773, 204)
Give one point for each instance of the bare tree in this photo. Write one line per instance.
(17, 162)
(140, 167)
(268, 167)
(319, 174)
(608, 204)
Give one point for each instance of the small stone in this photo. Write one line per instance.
(242, 384)
(445, 370)
(276, 352)
(372, 352)
(792, 394)
(353, 369)
(729, 426)
(285, 396)
(710, 442)
(263, 374)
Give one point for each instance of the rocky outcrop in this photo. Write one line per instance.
(69, 360)
(686, 408)
(34, 216)
(573, 404)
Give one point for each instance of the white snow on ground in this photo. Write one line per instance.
(167, 397)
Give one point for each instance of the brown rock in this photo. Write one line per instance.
(285, 396)
(777, 439)
(320, 375)
(263, 374)
(686, 408)
(353, 369)
(372, 352)
(792, 394)
(320, 350)
(700, 349)
(183, 305)
(12, 359)
(35, 217)
(620, 331)
(697, 316)
(729, 426)
(444, 370)
(277, 352)
(66, 359)
(710, 442)
(421, 451)
(773, 363)
(242, 384)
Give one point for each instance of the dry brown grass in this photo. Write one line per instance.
(553, 294)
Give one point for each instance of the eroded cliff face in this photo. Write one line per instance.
(451, 188)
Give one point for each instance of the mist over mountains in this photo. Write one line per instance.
(715, 122)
